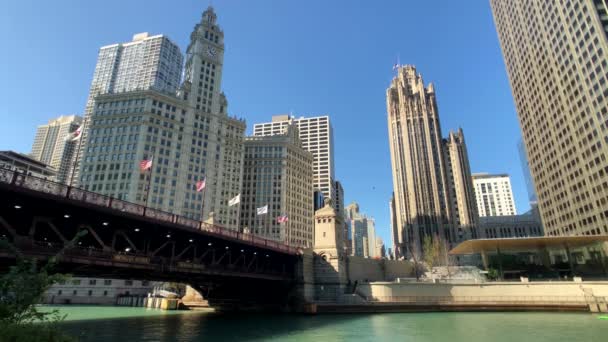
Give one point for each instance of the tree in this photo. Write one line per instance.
(415, 254)
(21, 289)
(447, 259)
(431, 250)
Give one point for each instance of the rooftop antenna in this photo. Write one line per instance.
(397, 65)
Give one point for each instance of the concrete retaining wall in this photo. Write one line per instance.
(364, 269)
(592, 295)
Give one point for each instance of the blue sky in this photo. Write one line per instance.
(311, 57)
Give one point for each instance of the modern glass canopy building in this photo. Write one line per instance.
(541, 258)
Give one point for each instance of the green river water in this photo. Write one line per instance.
(91, 323)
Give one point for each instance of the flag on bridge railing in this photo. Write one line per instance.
(282, 219)
(235, 200)
(200, 185)
(262, 210)
(145, 164)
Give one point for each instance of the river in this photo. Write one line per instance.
(92, 323)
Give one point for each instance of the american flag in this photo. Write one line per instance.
(200, 185)
(73, 136)
(282, 219)
(77, 133)
(145, 164)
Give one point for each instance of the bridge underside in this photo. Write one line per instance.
(121, 245)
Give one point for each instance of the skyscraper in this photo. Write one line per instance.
(371, 237)
(555, 54)
(188, 136)
(338, 198)
(494, 195)
(52, 148)
(316, 135)
(277, 181)
(461, 191)
(147, 62)
(362, 230)
(395, 236)
(431, 176)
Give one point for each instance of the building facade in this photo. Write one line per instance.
(513, 226)
(380, 251)
(338, 199)
(555, 53)
(277, 175)
(395, 236)
(362, 232)
(97, 291)
(460, 184)
(316, 134)
(319, 200)
(147, 62)
(54, 147)
(494, 194)
(187, 135)
(21, 163)
(431, 176)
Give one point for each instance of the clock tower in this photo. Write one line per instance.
(204, 62)
(214, 139)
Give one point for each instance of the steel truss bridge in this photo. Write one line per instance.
(41, 219)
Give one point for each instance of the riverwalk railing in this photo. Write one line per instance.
(16, 178)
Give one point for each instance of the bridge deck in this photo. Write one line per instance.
(42, 218)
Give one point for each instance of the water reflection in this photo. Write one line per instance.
(453, 327)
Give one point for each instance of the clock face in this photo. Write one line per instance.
(211, 51)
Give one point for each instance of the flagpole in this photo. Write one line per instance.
(80, 139)
(149, 181)
(238, 216)
(283, 226)
(203, 204)
(267, 223)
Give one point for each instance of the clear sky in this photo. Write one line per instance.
(310, 57)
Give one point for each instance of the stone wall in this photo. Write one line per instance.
(305, 277)
(499, 291)
(367, 270)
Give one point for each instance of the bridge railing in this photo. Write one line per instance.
(19, 179)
